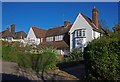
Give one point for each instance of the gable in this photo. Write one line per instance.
(31, 34)
(39, 33)
(80, 23)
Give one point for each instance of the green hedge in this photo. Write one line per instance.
(102, 58)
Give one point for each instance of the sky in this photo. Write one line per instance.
(51, 14)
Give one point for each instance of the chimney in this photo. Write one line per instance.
(8, 29)
(13, 28)
(95, 16)
(66, 23)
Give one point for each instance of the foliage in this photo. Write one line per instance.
(75, 57)
(103, 24)
(44, 60)
(116, 28)
(9, 53)
(102, 58)
(28, 57)
(24, 60)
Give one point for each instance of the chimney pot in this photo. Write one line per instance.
(66, 23)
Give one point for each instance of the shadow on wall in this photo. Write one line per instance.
(8, 77)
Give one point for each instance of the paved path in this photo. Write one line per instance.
(8, 67)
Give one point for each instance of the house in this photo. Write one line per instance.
(56, 37)
(10, 35)
(69, 36)
(84, 30)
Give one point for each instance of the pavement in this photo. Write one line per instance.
(0, 66)
(8, 67)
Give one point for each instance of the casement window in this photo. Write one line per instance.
(80, 33)
(49, 39)
(79, 41)
(58, 38)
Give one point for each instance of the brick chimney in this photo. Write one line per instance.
(66, 23)
(8, 29)
(95, 16)
(13, 28)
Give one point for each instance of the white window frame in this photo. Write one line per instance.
(59, 38)
(49, 39)
(80, 33)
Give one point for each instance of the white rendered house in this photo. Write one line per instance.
(84, 30)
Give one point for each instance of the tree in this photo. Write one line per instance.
(103, 25)
(116, 28)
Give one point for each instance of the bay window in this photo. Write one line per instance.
(80, 33)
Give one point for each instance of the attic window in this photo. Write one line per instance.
(80, 33)
(49, 39)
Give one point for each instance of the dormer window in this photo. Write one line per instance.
(80, 33)
(59, 37)
(49, 39)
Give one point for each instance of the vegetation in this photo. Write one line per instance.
(75, 57)
(116, 28)
(102, 58)
(27, 57)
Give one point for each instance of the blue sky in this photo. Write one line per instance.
(50, 14)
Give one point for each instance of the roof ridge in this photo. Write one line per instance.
(38, 28)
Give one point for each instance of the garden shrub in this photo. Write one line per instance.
(9, 53)
(75, 57)
(44, 60)
(24, 60)
(102, 58)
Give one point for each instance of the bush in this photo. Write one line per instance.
(102, 58)
(75, 57)
(44, 60)
(24, 60)
(9, 53)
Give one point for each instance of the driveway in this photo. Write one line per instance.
(77, 71)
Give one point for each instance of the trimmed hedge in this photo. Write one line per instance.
(102, 58)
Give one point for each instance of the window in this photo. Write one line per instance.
(58, 38)
(80, 33)
(79, 41)
(83, 32)
(49, 39)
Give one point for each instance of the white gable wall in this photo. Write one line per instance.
(31, 37)
(95, 34)
(81, 23)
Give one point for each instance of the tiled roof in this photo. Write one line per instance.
(58, 31)
(16, 35)
(19, 34)
(55, 44)
(7, 33)
(92, 24)
(40, 33)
